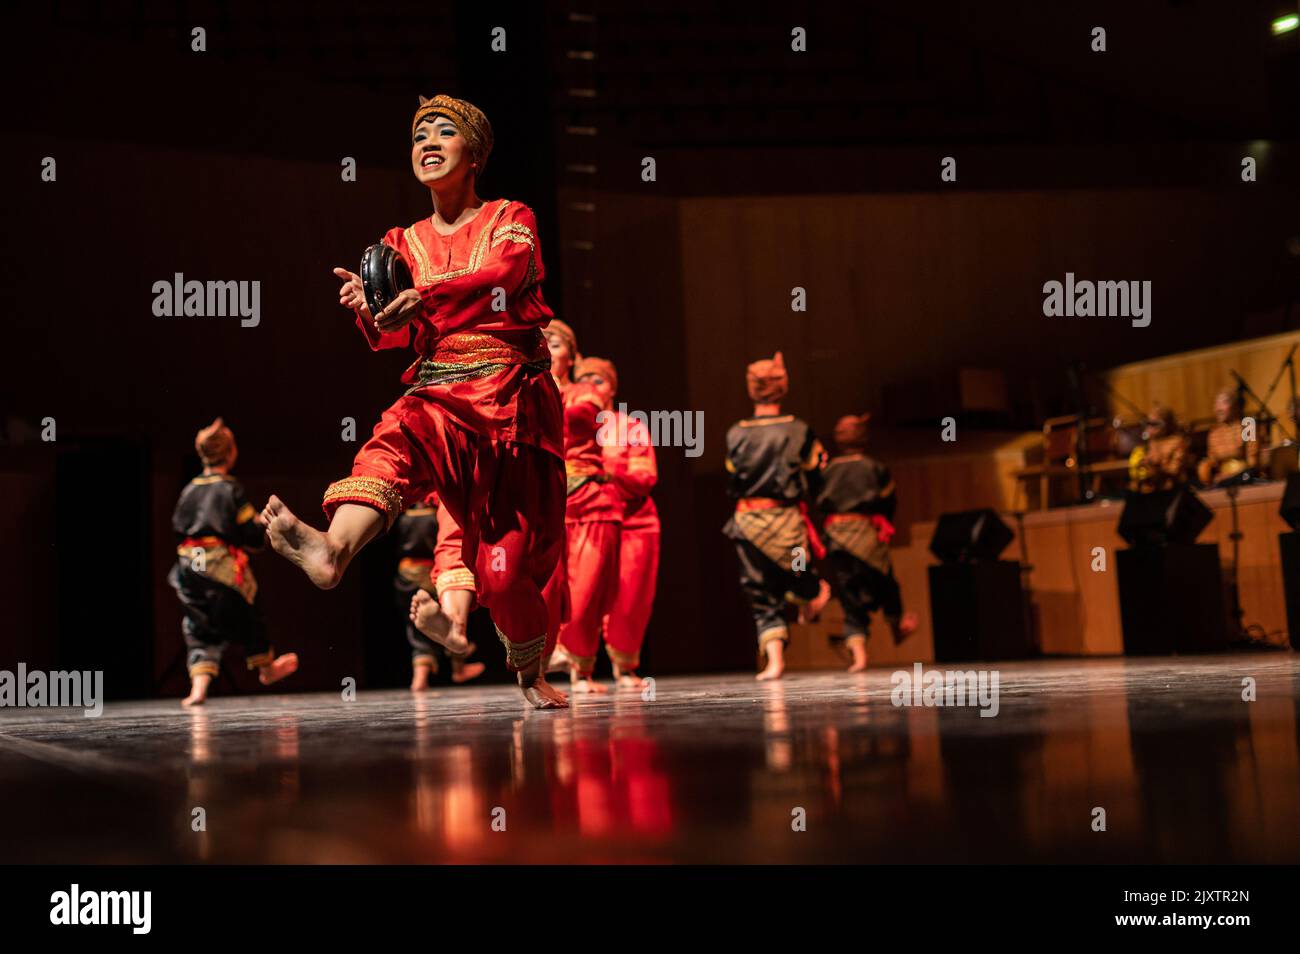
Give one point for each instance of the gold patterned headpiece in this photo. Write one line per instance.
(766, 380)
(602, 366)
(470, 122)
(215, 444)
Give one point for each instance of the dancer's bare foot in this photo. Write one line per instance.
(775, 661)
(427, 616)
(586, 685)
(198, 691)
(858, 647)
(277, 669)
(559, 661)
(809, 612)
(302, 545)
(420, 676)
(465, 671)
(904, 627)
(538, 691)
(627, 678)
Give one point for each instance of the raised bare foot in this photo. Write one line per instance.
(427, 616)
(809, 612)
(278, 668)
(905, 627)
(302, 545)
(464, 672)
(198, 691)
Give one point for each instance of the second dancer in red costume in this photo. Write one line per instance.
(480, 422)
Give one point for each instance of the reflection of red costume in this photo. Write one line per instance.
(630, 462)
(592, 519)
(481, 423)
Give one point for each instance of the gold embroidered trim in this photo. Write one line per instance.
(518, 232)
(461, 578)
(624, 660)
(762, 421)
(246, 513)
(261, 659)
(850, 638)
(477, 254)
(423, 660)
(776, 632)
(521, 655)
(205, 669)
(380, 494)
(584, 664)
(640, 463)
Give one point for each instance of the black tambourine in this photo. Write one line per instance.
(384, 276)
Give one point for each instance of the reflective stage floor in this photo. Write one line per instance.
(712, 769)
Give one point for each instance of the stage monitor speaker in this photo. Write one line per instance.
(1171, 599)
(970, 536)
(977, 611)
(1290, 546)
(1290, 509)
(1165, 516)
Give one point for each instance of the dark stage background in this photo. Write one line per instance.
(775, 169)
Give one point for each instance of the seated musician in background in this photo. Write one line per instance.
(1228, 453)
(1162, 462)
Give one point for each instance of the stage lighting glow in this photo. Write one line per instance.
(1285, 24)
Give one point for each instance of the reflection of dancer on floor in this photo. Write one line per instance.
(857, 496)
(216, 527)
(481, 422)
(428, 544)
(774, 460)
(592, 518)
(630, 463)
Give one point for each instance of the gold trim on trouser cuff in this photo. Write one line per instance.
(429, 662)
(521, 655)
(623, 660)
(851, 638)
(461, 578)
(205, 669)
(584, 664)
(261, 659)
(378, 493)
(776, 632)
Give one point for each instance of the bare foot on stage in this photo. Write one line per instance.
(427, 616)
(303, 546)
(587, 686)
(539, 693)
(279, 667)
(630, 680)
(420, 678)
(859, 650)
(809, 612)
(464, 672)
(198, 691)
(559, 661)
(775, 661)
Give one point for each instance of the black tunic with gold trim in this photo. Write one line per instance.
(773, 461)
(215, 528)
(858, 500)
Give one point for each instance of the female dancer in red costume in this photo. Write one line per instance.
(481, 421)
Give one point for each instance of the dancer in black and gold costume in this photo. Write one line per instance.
(774, 460)
(858, 498)
(216, 526)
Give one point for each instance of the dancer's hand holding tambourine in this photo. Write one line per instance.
(405, 308)
(352, 295)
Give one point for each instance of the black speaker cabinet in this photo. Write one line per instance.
(970, 535)
(1290, 544)
(977, 610)
(1166, 516)
(1290, 508)
(1171, 599)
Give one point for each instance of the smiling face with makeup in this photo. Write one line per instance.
(440, 157)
